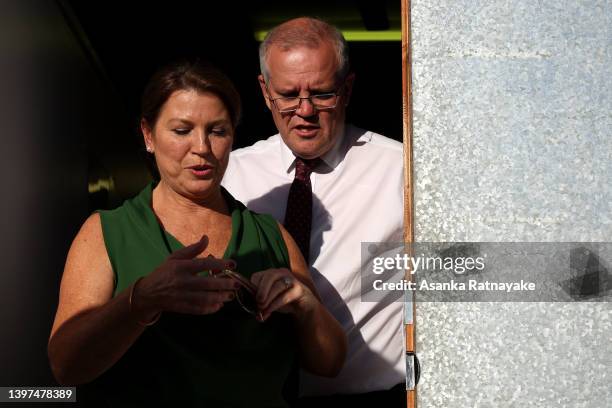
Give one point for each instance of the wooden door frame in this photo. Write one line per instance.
(408, 173)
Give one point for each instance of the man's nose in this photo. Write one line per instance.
(305, 108)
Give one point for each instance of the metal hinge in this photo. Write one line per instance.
(413, 370)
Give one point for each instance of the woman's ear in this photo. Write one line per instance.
(147, 134)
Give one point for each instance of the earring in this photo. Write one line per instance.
(149, 149)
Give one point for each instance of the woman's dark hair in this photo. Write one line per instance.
(185, 75)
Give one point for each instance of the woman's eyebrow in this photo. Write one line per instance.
(221, 121)
(187, 122)
(182, 121)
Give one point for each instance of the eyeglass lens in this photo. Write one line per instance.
(322, 101)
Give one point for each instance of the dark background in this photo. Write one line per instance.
(126, 44)
(71, 74)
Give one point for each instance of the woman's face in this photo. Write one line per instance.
(191, 140)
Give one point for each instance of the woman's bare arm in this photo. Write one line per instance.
(93, 329)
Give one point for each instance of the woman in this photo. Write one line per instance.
(144, 318)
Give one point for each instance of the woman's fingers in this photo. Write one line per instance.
(186, 259)
(265, 280)
(196, 265)
(207, 283)
(190, 251)
(283, 299)
(293, 298)
(180, 290)
(282, 284)
(175, 283)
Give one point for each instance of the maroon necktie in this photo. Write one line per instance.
(298, 216)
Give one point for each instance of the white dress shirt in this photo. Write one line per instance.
(357, 197)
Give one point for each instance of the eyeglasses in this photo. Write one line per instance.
(290, 104)
(245, 295)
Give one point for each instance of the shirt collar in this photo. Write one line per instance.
(332, 158)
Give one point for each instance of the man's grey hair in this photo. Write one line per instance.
(305, 32)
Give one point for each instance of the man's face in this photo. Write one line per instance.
(302, 71)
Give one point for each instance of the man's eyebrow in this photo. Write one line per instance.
(286, 91)
(322, 90)
(312, 91)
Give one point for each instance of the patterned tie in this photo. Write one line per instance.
(298, 216)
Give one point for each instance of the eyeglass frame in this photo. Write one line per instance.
(245, 284)
(299, 98)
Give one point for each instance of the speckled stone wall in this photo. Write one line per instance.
(512, 142)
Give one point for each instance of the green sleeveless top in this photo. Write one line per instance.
(225, 359)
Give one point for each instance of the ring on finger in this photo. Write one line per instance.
(288, 282)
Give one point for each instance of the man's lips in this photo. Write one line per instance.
(306, 130)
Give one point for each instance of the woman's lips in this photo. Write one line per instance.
(201, 171)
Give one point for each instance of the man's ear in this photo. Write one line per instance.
(147, 134)
(350, 79)
(264, 91)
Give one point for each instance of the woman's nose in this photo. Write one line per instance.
(201, 143)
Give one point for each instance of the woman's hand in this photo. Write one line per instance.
(175, 286)
(278, 290)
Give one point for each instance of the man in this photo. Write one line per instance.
(333, 186)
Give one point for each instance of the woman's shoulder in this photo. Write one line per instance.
(91, 228)
(88, 246)
(265, 220)
(141, 198)
(133, 209)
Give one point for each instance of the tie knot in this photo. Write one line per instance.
(303, 167)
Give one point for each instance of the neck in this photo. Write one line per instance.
(170, 205)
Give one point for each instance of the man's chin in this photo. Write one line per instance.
(307, 148)
(307, 153)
